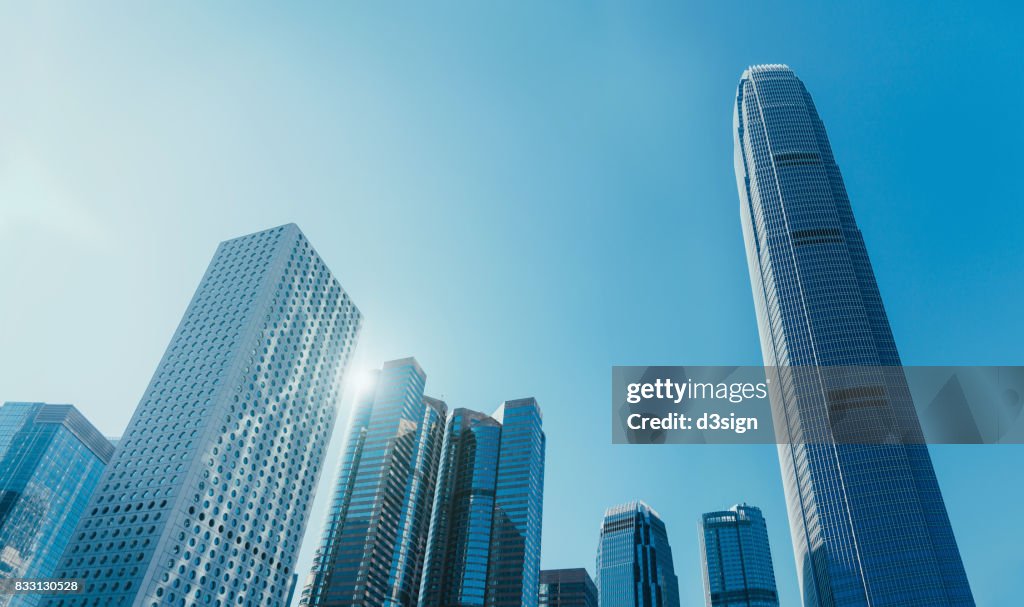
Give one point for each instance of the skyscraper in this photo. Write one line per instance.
(736, 559)
(514, 569)
(205, 500)
(372, 550)
(459, 547)
(868, 521)
(634, 559)
(51, 458)
(484, 543)
(566, 588)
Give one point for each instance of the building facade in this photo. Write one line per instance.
(51, 459)
(868, 522)
(485, 533)
(376, 534)
(206, 498)
(736, 559)
(458, 550)
(514, 569)
(634, 559)
(566, 588)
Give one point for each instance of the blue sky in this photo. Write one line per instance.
(520, 196)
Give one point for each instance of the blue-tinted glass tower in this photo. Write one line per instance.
(736, 559)
(372, 550)
(51, 458)
(484, 544)
(459, 547)
(206, 498)
(514, 569)
(868, 521)
(634, 559)
(566, 588)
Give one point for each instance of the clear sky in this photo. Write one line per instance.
(520, 196)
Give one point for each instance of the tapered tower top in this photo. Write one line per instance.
(766, 67)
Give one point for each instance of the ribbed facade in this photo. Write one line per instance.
(484, 544)
(736, 559)
(566, 588)
(206, 498)
(51, 459)
(634, 559)
(458, 550)
(372, 550)
(868, 521)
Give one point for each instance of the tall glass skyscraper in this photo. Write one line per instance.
(868, 521)
(634, 559)
(484, 543)
(736, 559)
(206, 498)
(459, 547)
(566, 588)
(514, 569)
(372, 549)
(51, 459)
